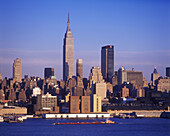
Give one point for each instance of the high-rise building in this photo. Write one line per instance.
(17, 70)
(95, 103)
(85, 104)
(168, 71)
(130, 76)
(68, 53)
(154, 76)
(95, 76)
(107, 62)
(74, 104)
(48, 72)
(79, 68)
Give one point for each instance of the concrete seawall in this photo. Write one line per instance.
(139, 113)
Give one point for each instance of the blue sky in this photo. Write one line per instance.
(33, 30)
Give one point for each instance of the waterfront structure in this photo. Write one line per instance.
(81, 115)
(74, 104)
(107, 62)
(13, 110)
(17, 70)
(79, 68)
(68, 53)
(168, 71)
(48, 72)
(154, 76)
(130, 76)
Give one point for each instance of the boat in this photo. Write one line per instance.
(1, 119)
(14, 119)
(86, 123)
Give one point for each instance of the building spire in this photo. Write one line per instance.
(68, 23)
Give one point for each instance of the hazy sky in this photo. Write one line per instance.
(33, 30)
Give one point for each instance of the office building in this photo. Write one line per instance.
(95, 76)
(45, 102)
(122, 76)
(168, 71)
(96, 105)
(68, 54)
(154, 76)
(48, 72)
(17, 70)
(131, 76)
(125, 92)
(100, 90)
(79, 68)
(163, 85)
(107, 62)
(74, 104)
(85, 104)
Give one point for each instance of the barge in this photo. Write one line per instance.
(86, 123)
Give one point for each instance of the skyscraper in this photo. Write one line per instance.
(107, 62)
(168, 71)
(154, 76)
(48, 72)
(79, 68)
(68, 53)
(17, 70)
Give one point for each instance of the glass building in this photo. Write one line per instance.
(107, 62)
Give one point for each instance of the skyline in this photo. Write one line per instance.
(34, 32)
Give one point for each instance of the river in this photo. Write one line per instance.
(125, 127)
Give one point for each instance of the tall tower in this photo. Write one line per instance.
(68, 53)
(168, 71)
(17, 70)
(79, 68)
(154, 76)
(107, 62)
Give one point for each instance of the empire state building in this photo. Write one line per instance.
(68, 53)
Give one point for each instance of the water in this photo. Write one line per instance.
(125, 127)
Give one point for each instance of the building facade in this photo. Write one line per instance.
(168, 71)
(163, 85)
(45, 102)
(154, 76)
(74, 104)
(48, 72)
(96, 105)
(107, 62)
(95, 76)
(17, 70)
(68, 54)
(79, 68)
(85, 104)
(125, 92)
(130, 76)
